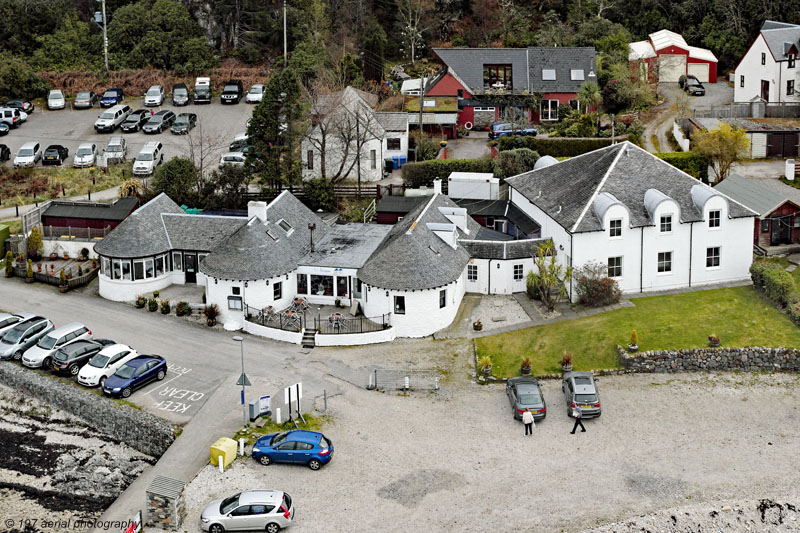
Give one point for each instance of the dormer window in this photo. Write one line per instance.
(666, 224)
(713, 218)
(497, 77)
(791, 57)
(285, 226)
(615, 228)
(549, 74)
(576, 75)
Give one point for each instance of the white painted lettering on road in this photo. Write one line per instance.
(180, 394)
(175, 407)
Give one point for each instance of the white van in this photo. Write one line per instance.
(148, 159)
(202, 90)
(28, 155)
(116, 150)
(11, 116)
(110, 119)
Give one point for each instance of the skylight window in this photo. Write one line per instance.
(577, 75)
(285, 226)
(272, 235)
(548, 74)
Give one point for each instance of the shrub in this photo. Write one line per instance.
(155, 294)
(594, 287)
(779, 286)
(183, 309)
(794, 312)
(561, 147)
(85, 253)
(423, 173)
(211, 312)
(513, 162)
(35, 244)
(80, 270)
(320, 195)
(566, 359)
(152, 305)
(485, 362)
(9, 263)
(693, 163)
(62, 278)
(165, 307)
(634, 338)
(759, 268)
(29, 272)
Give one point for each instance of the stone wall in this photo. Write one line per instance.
(145, 432)
(750, 359)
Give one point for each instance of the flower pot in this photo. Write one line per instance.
(714, 344)
(28, 280)
(487, 371)
(211, 322)
(477, 327)
(53, 256)
(63, 288)
(633, 348)
(525, 371)
(566, 368)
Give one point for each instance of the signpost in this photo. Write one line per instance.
(243, 381)
(295, 391)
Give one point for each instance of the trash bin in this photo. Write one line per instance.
(402, 160)
(223, 450)
(388, 165)
(395, 165)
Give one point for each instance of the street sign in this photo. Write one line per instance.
(243, 380)
(292, 392)
(263, 405)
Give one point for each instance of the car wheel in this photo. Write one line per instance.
(102, 381)
(272, 527)
(46, 363)
(18, 356)
(73, 369)
(161, 375)
(126, 393)
(216, 528)
(314, 464)
(265, 460)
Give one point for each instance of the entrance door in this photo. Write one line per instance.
(190, 265)
(765, 90)
(790, 144)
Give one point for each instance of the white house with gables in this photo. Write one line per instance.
(769, 69)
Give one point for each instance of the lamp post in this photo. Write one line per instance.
(98, 20)
(243, 378)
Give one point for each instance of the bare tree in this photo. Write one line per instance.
(410, 13)
(204, 152)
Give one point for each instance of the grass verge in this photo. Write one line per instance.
(252, 433)
(740, 316)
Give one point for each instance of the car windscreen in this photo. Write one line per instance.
(232, 158)
(13, 335)
(107, 115)
(125, 371)
(114, 148)
(61, 356)
(529, 398)
(110, 94)
(201, 90)
(585, 398)
(25, 152)
(255, 90)
(98, 361)
(153, 92)
(56, 94)
(145, 156)
(83, 151)
(47, 342)
(229, 504)
(135, 117)
(82, 95)
(155, 119)
(280, 437)
(180, 92)
(230, 89)
(181, 120)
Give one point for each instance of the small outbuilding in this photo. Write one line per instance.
(767, 139)
(665, 56)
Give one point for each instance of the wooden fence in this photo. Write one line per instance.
(45, 277)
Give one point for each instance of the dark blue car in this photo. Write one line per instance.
(136, 373)
(297, 446)
(504, 129)
(111, 97)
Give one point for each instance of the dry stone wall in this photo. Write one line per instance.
(749, 359)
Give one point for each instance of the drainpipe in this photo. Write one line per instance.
(691, 249)
(489, 288)
(641, 262)
(570, 264)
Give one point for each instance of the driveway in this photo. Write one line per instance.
(474, 146)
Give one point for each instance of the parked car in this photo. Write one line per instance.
(233, 158)
(55, 154)
(243, 148)
(255, 94)
(116, 150)
(202, 90)
(302, 447)
(112, 97)
(85, 155)
(25, 334)
(180, 94)
(504, 129)
(8, 321)
(184, 123)
(262, 510)
(135, 373)
(579, 389)
(28, 155)
(135, 120)
(694, 88)
(159, 122)
(154, 96)
(56, 100)
(21, 104)
(85, 100)
(111, 119)
(151, 155)
(11, 117)
(4, 129)
(40, 355)
(232, 92)
(104, 364)
(5, 151)
(70, 358)
(691, 78)
(524, 393)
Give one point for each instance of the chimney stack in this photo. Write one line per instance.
(437, 186)
(257, 209)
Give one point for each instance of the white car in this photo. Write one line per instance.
(255, 94)
(40, 355)
(262, 510)
(233, 158)
(56, 100)
(104, 364)
(28, 155)
(85, 156)
(154, 96)
(148, 159)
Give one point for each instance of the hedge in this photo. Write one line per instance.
(777, 284)
(759, 269)
(694, 164)
(424, 172)
(558, 147)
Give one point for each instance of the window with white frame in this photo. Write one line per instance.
(148, 268)
(126, 270)
(373, 159)
(576, 75)
(176, 261)
(159, 265)
(789, 87)
(713, 218)
(790, 57)
(548, 74)
(285, 226)
(235, 302)
(664, 262)
(712, 257)
(277, 291)
(518, 272)
(666, 224)
(138, 269)
(741, 81)
(765, 226)
(796, 222)
(107, 267)
(442, 298)
(615, 267)
(615, 228)
(472, 272)
(549, 110)
(399, 305)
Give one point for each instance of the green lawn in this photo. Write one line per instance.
(740, 316)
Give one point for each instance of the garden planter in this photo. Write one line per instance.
(487, 371)
(63, 288)
(566, 368)
(525, 371)
(28, 280)
(714, 344)
(633, 348)
(477, 326)
(211, 322)
(53, 256)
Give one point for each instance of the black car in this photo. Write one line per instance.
(159, 122)
(4, 129)
(184, 123)
(135, 120)
(237, 145)
(23, 105)
(85, 100)
(55, 155)
(5, 152)
(180, 94)
(232, 92)
(684, 79)
(73, 356)
(694, 88)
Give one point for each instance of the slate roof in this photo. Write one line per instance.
(525, 224)
(114, 211)
(412, 257)
(757, 194)
(199, 232)
(776, 34)
(515, 249)
(566, 191)
(142, 233)
(326, 102)
(563, 60)
(468, 63)
(392, 121)
(399, 204)
(749, 125)
(253, 254)
(346, 245)
(483, 208)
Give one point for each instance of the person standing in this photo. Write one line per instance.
(527, 419)
(578, 414)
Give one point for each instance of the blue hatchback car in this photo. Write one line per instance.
(136, 373)
(296, 446)
(111, 97)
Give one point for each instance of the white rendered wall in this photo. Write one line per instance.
(257, 293)
(550, 228)
(758, 144)
(335, 152)
(502, 276)
(73, 248)
(118, 290)
(274, 333)
(354, 339)
(750, 66)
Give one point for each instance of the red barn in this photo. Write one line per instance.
(666, 56)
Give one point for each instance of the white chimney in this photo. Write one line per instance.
(437, 186)
(257, 209)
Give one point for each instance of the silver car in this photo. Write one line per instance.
(41, 355)
(251, 510)
(8, 321)
(25, 334)
(524, 393)
(580, 389)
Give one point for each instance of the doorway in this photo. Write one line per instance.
(190, 265)
(765, 90)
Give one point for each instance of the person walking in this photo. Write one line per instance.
(527, 419)
(578, 414)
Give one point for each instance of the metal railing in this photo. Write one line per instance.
(344, 325)
(275, 319)
(67, 233)
(45, 277)
(405, 379)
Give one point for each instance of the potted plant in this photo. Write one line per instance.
(633, 346)
(62, 282)
(477, 325)
(566, 362)
(80, 271)
(53, 255)
(9, 264)
(211, 312)
(35, 244)
(338, 302)
(152, 305)
(525, 366)
(39, 267)
(52, 270)
(66, 255)
(155, 294)
(713, 340)
(485, 364)
(84, 254)
(183, 309)
(29, 272)
(94, 263)
(21, 260)
(165, 307)
(141, 301)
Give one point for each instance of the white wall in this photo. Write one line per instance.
(478, 188)
(353, 339)
(682, 139)
(127, 291)
(335, 153)
(274, 333)
(71, 247)
(777, 73)
(758, 144)
(502, 274)
(403, 151)
(257, 293)
(550, 228)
